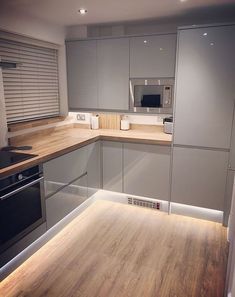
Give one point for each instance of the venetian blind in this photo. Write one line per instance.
(31, 90)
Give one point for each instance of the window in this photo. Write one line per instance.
(31, 90)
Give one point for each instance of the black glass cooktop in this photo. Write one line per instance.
(10, 158)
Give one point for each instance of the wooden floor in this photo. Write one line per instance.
(126, 251)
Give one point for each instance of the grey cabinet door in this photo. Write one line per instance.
(62, 170)
(65, 201)
(153, 56)
(113, 73)
(94, 167)
(147, 170)
(112, 166)
(205, 90)
(82, 74)
(199, 177)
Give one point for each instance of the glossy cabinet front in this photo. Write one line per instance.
(113, 73)
(65, 200)
(70, 180)
(205, 89)
(64, 169)
(112, 156)
(199, 177)
(98, 74)
(82, 74)
(147, 170)
(153, 56)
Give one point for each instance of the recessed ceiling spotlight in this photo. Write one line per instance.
(82, 11)
(205, 34)
(183, 0)
(145, 41)
(212, 43)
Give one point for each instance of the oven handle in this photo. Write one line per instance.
(21, 188)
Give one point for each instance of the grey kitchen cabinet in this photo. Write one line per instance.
(199, 177)
(64, 201)
(82, 74)
(147, 170)
(205, 90)
(94, 167)
(153, 56)
(112, 159)
(60, 171)
(113, 73)
(70, 180)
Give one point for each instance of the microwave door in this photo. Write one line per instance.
(151, 101)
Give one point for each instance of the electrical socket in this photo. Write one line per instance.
(81, 117)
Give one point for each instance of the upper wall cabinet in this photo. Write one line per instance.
(153, 56)
(113, 73)
(82, 74)
(98, 74)
(205, 89)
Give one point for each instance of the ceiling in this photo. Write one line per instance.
(64, 12)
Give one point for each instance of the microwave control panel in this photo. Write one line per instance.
(167, 96)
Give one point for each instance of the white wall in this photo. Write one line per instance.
(35, 28)
(26, 25)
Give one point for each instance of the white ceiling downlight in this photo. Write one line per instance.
(82, 11)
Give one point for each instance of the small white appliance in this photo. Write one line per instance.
(95, 122)
(125, 124)
(168, 125)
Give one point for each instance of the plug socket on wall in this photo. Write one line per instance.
(81, 117)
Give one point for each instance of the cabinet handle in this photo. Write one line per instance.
(66, 185)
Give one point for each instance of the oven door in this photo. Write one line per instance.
(22, 209)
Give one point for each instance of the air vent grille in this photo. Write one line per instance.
(144, 203)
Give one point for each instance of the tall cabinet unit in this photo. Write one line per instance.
(203, 115)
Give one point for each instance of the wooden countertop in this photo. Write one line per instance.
(57, 143)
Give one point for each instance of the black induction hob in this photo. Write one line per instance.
(10, 158)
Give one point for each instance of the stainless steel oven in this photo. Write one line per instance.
(22, 205)
(153, 95)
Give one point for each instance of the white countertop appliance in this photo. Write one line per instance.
(125, 124)
(168, 125)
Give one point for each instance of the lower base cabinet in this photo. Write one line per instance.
(199, 177)
(137, 169)
(146, 170)
(94, 167)
(65, 200)
(112, 156)
(69, 180)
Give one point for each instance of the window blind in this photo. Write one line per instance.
(31, 90)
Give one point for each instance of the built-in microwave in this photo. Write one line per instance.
(153, 95)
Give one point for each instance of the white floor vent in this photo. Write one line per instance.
(144, 203)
